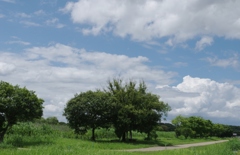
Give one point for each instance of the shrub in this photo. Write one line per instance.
(234, 144)
(26, 132)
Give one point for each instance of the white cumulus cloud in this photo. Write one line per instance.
(57, 72)
(205, 41)
(203, 97)
(148, 19)
(54, 22)
(6, 68)
(227, 62)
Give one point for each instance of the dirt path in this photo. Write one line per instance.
(160, 148)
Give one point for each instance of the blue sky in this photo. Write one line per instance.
(187, 52)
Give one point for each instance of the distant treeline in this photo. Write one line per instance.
(195, 126)
(167, 127)
(235, 129)
(170, 127)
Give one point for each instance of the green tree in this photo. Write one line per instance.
(182, 126)
(193, 126)
(88, 110)
(208, 128)
(134, 107)
(17, 104)
(152, 110)
(221, 130)
(40, 120)
(52, 120)
(180, 121)
(201, 126)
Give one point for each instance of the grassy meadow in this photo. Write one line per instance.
(37, 139)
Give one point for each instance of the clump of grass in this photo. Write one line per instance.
(6, 146)
(234, 144)
(26, 134)
(60, 139)
(215, 149)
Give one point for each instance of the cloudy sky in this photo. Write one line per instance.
(186, 51)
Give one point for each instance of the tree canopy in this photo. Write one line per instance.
(195, 126)
(126, 106)
(17, 104)
(89, 109)
(52, 120)
(134, 107)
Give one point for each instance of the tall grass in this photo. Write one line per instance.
(76, 146)
(27, 134)
(215, 149)
(37, 139)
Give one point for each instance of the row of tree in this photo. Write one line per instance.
(49, 120)
(195, 126)
(125, 106)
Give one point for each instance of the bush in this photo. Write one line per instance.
(234, 144)
(26, 133)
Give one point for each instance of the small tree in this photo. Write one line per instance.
(186, 132)
(88, 110)
(192, 126)
(52, 120)
(221, 130)
(17, 104)
(180, 122)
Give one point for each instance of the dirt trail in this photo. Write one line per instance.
(160, 148)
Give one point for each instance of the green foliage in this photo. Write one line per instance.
(183, 128)
(221, 130)
(186, 132)
(52, 120)
(234, 144)
(235, 129)
(215, 149)
(17, 104)
(134, 107)
(180, 121)
(23, 133)
(152, 135)
(198, 127)
(88, 110)
(166, 127)
(127, 107)
(40, 120)
(54, 142)
(202, 127)
(62, 146)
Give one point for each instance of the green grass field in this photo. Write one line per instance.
(61, 140)
(63, 146)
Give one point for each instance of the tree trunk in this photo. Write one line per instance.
(1, 138)
(2, 133)
(93, 134)
(131, 134)
(124, 136)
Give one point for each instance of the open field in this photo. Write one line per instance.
(62, 141)
(64, 146)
